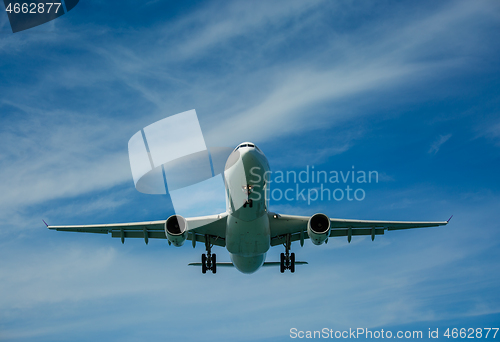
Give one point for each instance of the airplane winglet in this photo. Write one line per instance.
(449, 219)
(45, 223)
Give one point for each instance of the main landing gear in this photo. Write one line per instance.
(287, 259)
(208, 261)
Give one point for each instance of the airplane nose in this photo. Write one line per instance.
(251, 161)
(247, 155)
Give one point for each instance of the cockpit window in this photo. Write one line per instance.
(247, 145)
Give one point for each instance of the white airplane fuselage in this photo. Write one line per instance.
(248, 236)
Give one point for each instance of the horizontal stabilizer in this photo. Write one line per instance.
(219, 264)
(277, 263)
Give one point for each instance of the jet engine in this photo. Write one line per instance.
(176, 230)
(318, 228)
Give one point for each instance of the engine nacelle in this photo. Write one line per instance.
(176, 230)
(318, 228)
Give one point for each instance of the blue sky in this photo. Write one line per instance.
(410, 90)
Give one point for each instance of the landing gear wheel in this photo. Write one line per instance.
(203, 263)
(282, 263)
(292, 262)
(214, 264)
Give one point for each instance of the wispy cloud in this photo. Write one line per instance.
(436, 145)
(490, 129)
(494, 131)
(371, 283)
(49, 157)
(76, 143)
(262, 72)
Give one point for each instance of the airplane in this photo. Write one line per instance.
(247, 229)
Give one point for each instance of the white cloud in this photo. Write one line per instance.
(59, 151)
(52, 158)
(436, 145)
(274, 84)
(56, 152)
(366, 283)
(490, 129)
(214, 25)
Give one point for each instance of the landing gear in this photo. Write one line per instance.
(282, 263)
(208, 261)
(203, 263)
(287, 260)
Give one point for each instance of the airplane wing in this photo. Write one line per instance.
(198, 228)
(296, 226)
